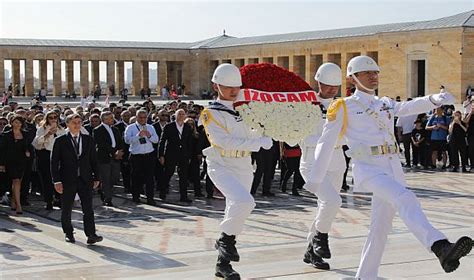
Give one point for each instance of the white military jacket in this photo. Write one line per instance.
(308, 144)
(226, 130)
(347, 118)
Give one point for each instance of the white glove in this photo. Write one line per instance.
(266, 142)
(444, 98)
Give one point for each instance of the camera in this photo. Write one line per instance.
(142, 140)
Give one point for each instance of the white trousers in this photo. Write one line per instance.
(329, 202)
(390, 195)
(233, 177)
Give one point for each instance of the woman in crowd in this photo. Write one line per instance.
(43, 143)
(457, 142)
(196, 159)
(15, 150)
(5, 182)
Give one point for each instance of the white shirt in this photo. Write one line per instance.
(42, 141)
(132, 138)
(180, 129)
(111, 133)
(407, 123)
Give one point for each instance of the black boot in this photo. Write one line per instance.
(226, 247)
(316, 261)
(225, 270)
(321, 245)
(449, 253)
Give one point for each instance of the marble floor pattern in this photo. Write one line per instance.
(175, 241)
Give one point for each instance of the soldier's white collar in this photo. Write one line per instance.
(227, 103)
(325, 101)
(364, 96)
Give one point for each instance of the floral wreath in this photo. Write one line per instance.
(277, 102)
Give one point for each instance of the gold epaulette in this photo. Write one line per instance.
(207, 118)
(332, 113)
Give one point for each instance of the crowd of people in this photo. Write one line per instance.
(438, 140)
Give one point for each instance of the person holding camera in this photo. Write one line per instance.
(457, 142)
(141, 137)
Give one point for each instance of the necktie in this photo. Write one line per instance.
(76, 145)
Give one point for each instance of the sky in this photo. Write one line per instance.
(190, 21)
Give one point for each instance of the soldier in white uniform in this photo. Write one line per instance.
(366, 122)
(229, 163)
(329, 80)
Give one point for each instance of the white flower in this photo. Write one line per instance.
(288, 122)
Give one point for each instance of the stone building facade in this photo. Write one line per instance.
(415, 57)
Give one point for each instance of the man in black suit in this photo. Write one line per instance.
(74, 170)
(174, 150)
(94, 121)
(109, 153)
(164, 118)
(124, 162)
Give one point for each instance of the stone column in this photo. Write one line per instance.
(344, 60)
(29, 79)
(43, 73)
(57, 83)
(120, 80)
(325, 57)
(111, 75)
(16, 73)
(85, 77)
(162, 73)
(145, 74)
(136, 83)
(2, 74)
(309, 70)
(186, 79)
(95, 73)
(70, 75)
(275, 60)
(291, 64)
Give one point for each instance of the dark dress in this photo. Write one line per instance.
(13, 155)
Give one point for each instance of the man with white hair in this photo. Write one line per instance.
(229, 163)
(174, 150)
(367, 123)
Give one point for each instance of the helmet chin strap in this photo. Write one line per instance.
(219, 90)
(361, 85)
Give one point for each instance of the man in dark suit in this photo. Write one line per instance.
(174, 150)
(94, 121)
(109, 153)
(124, 162)
(74, 170)
(164, 118)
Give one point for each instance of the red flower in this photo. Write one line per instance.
(271, 78)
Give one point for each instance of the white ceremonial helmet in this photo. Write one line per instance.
(361, 63)
(227, 75)
(329, 74)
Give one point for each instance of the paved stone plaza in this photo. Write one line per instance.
(175, 241)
